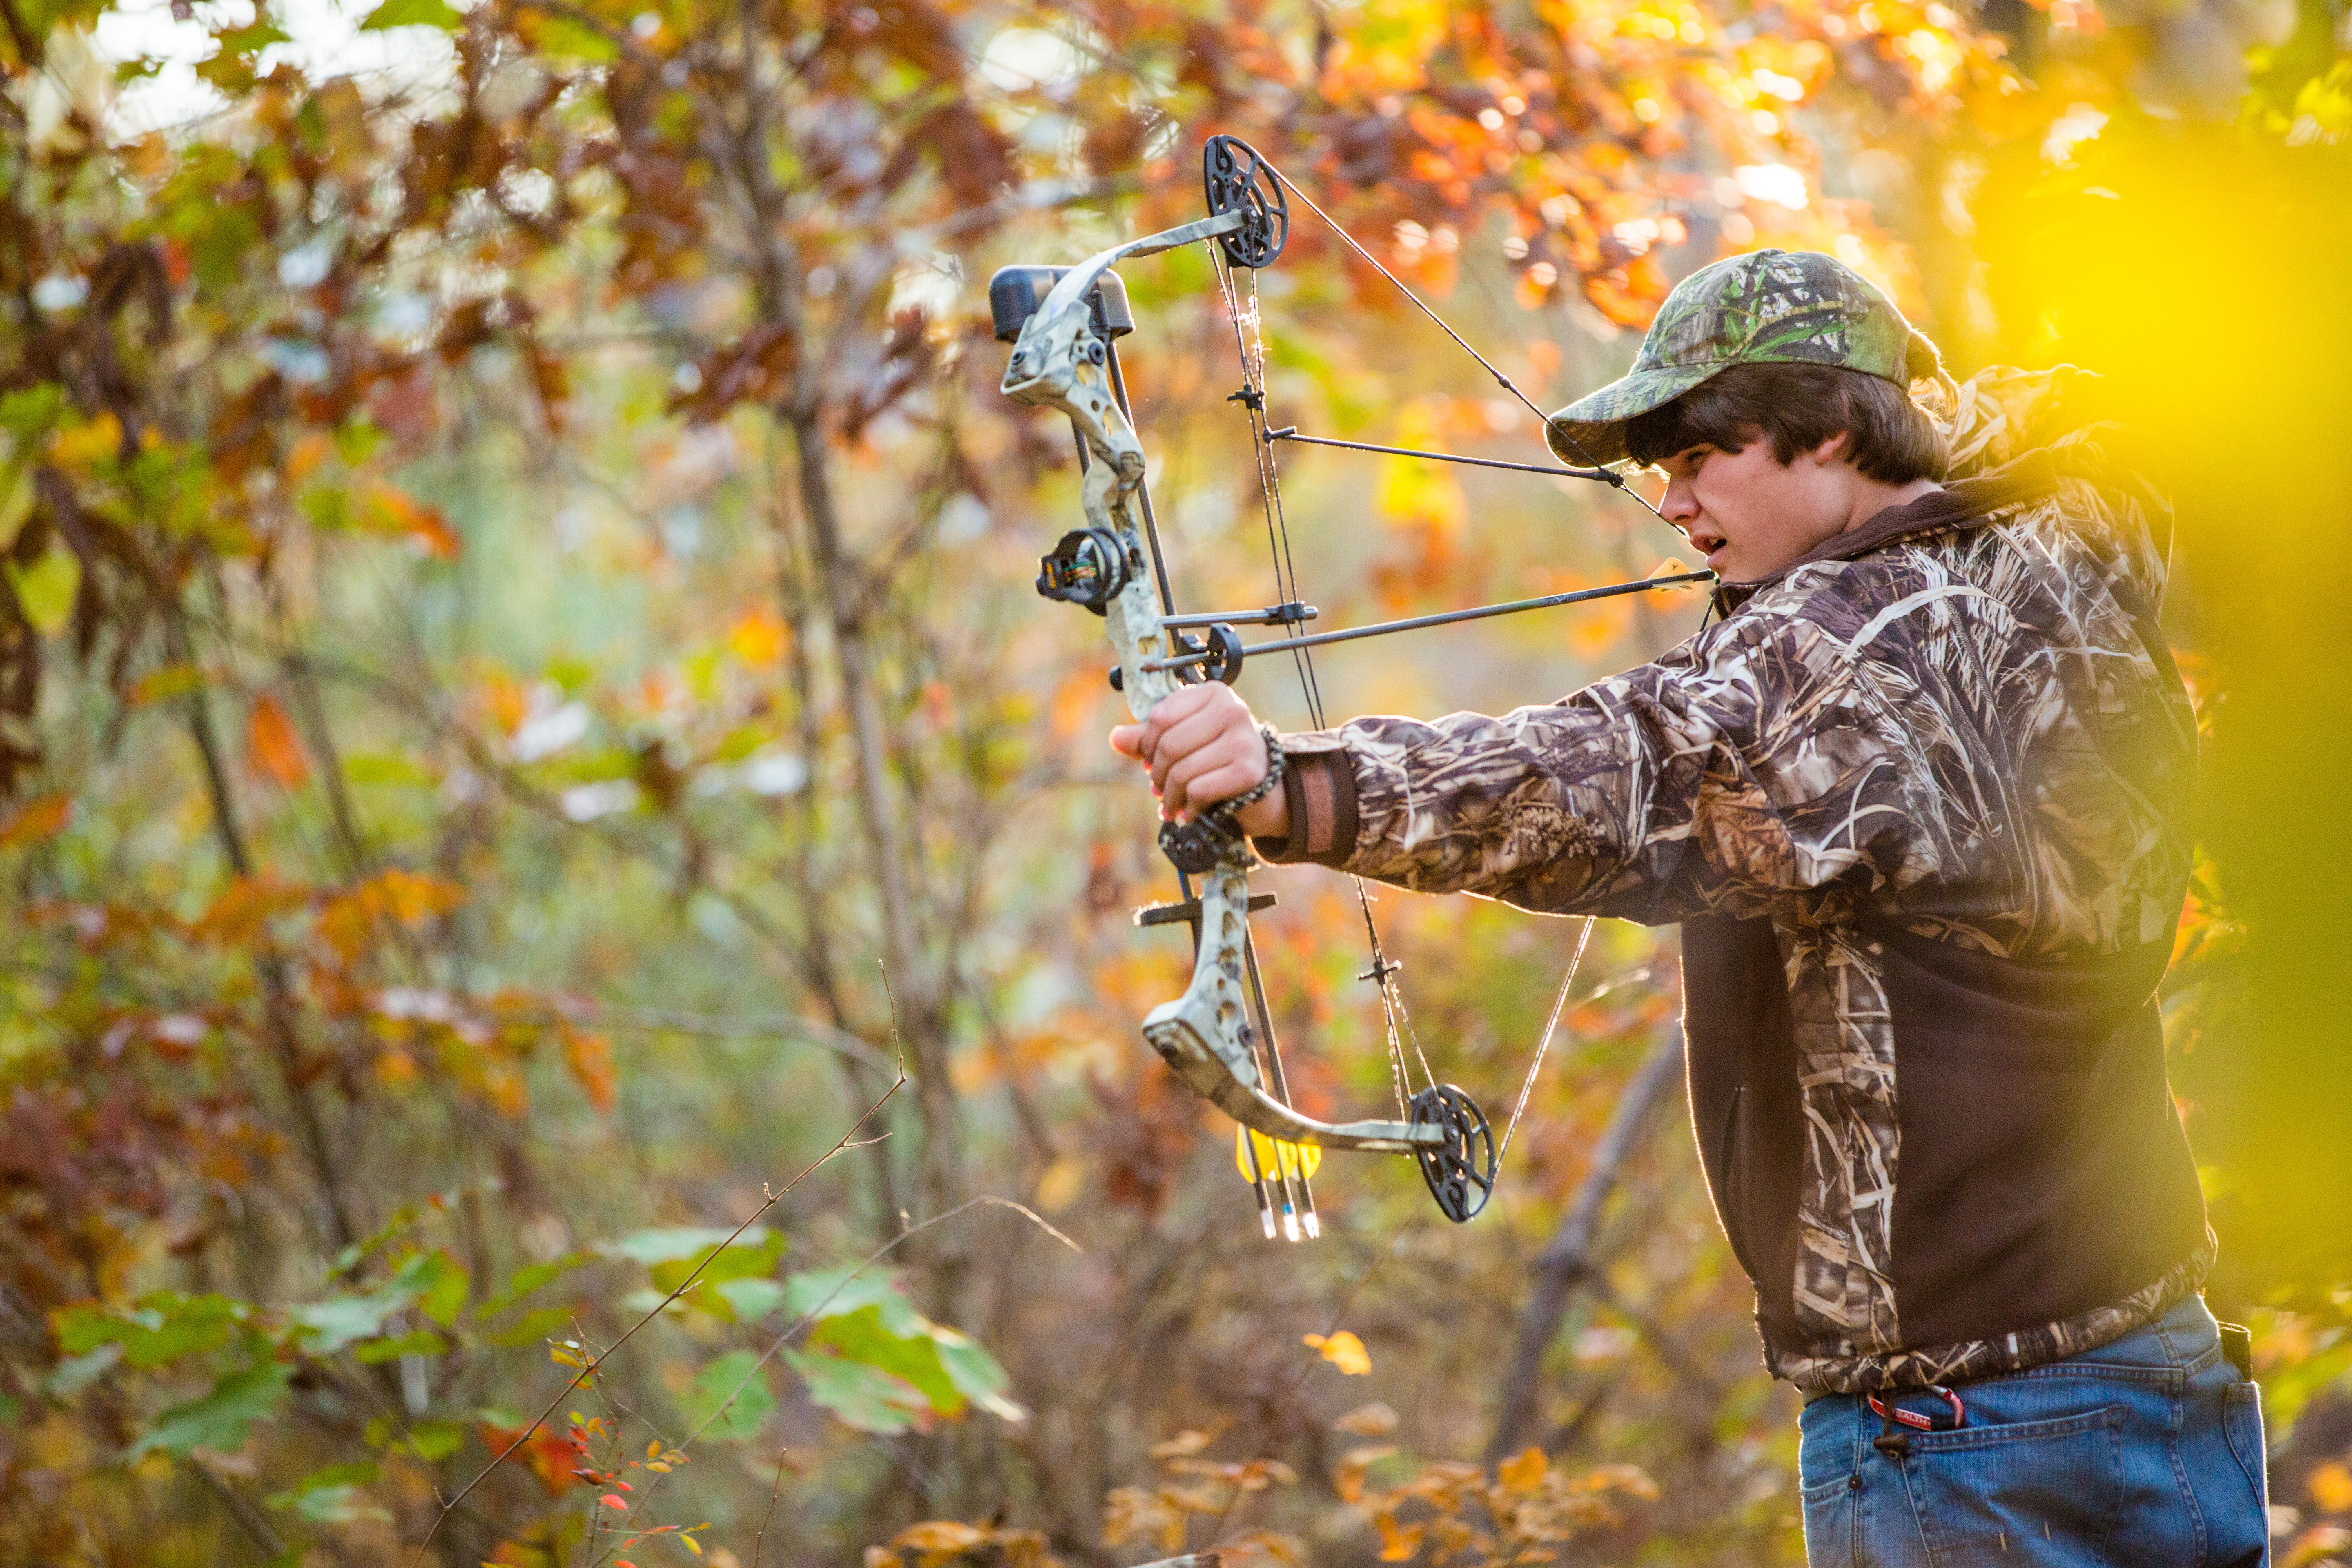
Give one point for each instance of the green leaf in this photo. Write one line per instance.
(433, 1441)
(159, 1330)
(675, 1255)
(78, 1372)
(413, 13)
(388, 768)
(716, 1382)
(526, 1280)
(354, 1475)
(837, 1292)
(31, 409)
(47, 588)
(445, 1294)
(534, 1325)
(563, 36)
(331, 1495)
(751, 1300)
(220, 1419)
(977, 1373)
(870, 1400)
(422, 1341)
(357, 438)
(914, 1359)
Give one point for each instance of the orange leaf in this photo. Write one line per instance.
(271, 745)
(612, 1500)
(34, 820)
(391, 511)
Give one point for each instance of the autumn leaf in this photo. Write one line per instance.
(272, 746)
(39, 818)
(1524, 1472)
(1342, 1350)
(759, 638)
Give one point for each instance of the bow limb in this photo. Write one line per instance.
(1205, 1035)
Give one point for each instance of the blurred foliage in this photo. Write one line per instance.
(521, 711)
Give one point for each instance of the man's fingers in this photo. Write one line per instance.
(1212, 774)
(1127, 739)
(1212, 725)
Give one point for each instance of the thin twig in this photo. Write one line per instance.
(761, 1540)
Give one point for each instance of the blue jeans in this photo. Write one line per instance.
(2147, 1451)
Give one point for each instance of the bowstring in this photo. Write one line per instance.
(1250, 343)
(1504, 382)
(1559, 1005)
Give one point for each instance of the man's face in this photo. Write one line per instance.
(1749, 513)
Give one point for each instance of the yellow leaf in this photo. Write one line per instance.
(47, 588)
(1184, 1444)
(1397, 1541)
(2331, 1487)
(1348, 1476)
(165, 680)
(692, 1544)
(86, 444)
(1060, 1183)
(1342, 1350)
(1524, 1473)
(759, 638)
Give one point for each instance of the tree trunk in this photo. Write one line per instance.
(915, 1001)
(1566, 1260)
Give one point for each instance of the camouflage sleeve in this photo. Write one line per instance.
(1720, 779)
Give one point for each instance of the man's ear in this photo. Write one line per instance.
(1833, 450)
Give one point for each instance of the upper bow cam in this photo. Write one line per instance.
(1063, 359)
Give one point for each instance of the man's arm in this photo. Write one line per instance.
(1738, 769)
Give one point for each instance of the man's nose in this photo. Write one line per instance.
(1680, 506)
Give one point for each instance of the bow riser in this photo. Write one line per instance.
(1205, 1035)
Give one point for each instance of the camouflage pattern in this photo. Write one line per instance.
(1797, 307)
(1959, 734)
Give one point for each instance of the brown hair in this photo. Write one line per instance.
(1797, 408)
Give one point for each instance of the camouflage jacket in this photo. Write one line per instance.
(1919, 802)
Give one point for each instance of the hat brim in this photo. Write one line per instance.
(1590, 431)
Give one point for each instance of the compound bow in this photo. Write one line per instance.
(1218, 1035)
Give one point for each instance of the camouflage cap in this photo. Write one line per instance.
(1788, 307)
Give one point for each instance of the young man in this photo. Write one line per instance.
(1918, 800)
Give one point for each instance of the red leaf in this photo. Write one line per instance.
(612, 1500)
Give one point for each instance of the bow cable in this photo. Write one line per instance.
(1249, 340)
(1504, 382)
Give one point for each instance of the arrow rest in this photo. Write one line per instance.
(1461, 1170)
(1233, 178)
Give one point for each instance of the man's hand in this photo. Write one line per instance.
(1203, 746)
